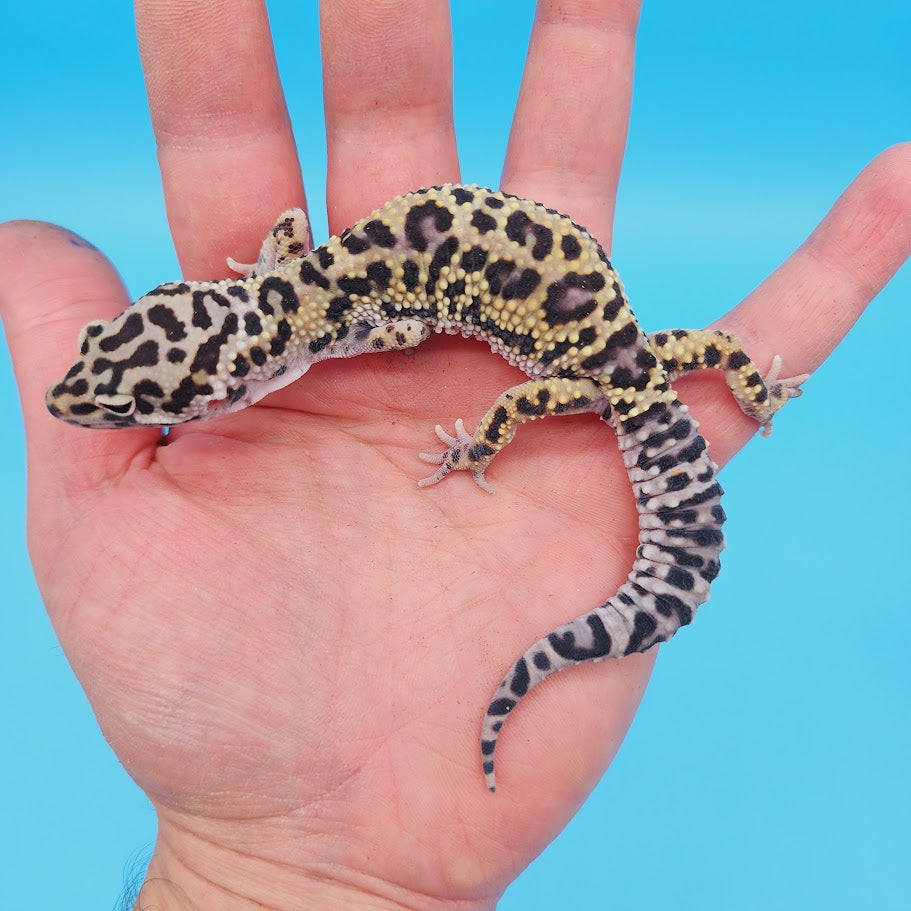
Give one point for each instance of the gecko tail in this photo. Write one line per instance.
(680, 516)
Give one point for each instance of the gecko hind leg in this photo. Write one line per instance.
(683, 350)
(288, 239)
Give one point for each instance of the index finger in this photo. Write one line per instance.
(227, 154)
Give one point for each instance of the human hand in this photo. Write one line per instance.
(265, 669)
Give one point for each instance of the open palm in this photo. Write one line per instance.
(288, 644)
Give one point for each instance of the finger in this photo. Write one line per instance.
(805, 308)
(387, 84)
(227, 154)
(569, 132)
(52, 283)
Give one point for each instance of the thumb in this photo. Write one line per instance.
(52, 282)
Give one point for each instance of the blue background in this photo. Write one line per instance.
(768, 767)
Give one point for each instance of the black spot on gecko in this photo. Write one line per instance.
(712, 356)
(239, 292)
(557, 349)
(145, 355)
(236, 394)
(411, 276)
(184, 394)
(310, 275)
(644, 626)
(646, 359)
(680, 578)
(207, 354)
(497, 272)
(253, 325)
(462, 196)
(613, 307)
(677, 482)
(165, 318)
(257, 355)
(417, 220)
(241, 366)
(338, 307)
(622, 338)
(682, 557)
(142, 391)
(474, 260)
(453, 294)
(441, 257)
(564, 644)
(541, 661)
(354, 285)
(495, 202)
(380, 274)
(318, 344)
(519, 227)
(201, 318)
(570, 246)
(273, 285)
(483, 222)
(326, 259)
(479, 451)
(169, 289)
(520, 678)
(354, 244)
(570, 297)
(522, 285)
(693, 451)
(711, 571)
(524, 406)
(496, 425)
(176, 355)
(623, 378)
(501, 707)
(282, 335)
(667, 605)
(130, 329)
(380, 234)
(737, 359)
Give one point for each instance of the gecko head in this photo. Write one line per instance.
(169, 358)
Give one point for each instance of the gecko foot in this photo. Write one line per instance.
(457, 457)
(780, 390)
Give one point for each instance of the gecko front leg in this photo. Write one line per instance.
(525, 402)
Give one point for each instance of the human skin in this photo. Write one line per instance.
(287, 643)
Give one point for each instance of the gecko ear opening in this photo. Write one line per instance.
(121, 405)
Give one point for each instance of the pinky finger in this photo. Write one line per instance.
(806, 307)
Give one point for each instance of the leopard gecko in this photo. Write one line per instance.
(535, 286)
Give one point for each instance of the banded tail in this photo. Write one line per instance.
(680, 516)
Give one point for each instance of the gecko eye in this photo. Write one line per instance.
(121, 405)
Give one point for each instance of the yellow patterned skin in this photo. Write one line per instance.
(535, 286)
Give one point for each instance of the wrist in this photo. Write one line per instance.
(189, 873)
